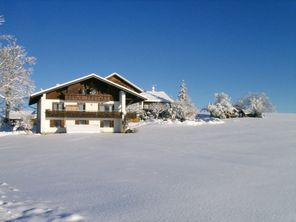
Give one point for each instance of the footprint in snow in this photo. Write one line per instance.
(3, 184)
(13, 189)
(36, 211)
(69, 218)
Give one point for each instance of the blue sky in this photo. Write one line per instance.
(231, 46)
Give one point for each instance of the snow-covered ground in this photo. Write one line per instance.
(243, 170)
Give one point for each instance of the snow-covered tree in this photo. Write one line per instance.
(25, 123)
(222, 107)
(183, 108)
(15, 72)
(155, 111)
(182, 96)
(134, 108)
(255, 104)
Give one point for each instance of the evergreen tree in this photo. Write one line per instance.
(183, 92)
(183, 108)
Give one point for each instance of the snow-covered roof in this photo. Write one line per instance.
(93, 75)
(2, 96)
(124, 79)
(157, 96)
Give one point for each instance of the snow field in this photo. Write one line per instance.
(12, 209)
(239, 171)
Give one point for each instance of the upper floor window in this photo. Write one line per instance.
(88, 91)
(106, 108)
(81, 106)
(58, 106)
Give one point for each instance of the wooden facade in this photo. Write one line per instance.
(81, 114)
(122, 82)
(87, 90)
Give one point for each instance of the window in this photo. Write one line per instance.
(93, 92)
(57, 123)
(101, 108)
(88, 91)
(107, 124)
(81, 122)
(58, 106)
(106, 108)
(81, 106)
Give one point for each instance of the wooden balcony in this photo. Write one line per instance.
(132, 115)
(81, 114)
(79, 97)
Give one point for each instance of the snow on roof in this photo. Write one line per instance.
(2, 96)
(120, 76)
(157, 96)
(84, 78)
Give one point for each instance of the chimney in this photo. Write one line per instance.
(153, 88)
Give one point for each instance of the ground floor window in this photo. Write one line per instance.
(58, 123)
(107, 123)
(81, 122)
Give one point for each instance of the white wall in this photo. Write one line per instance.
(45, 104)
(91, 107)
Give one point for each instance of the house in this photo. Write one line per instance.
(87, 104)
(153, 97)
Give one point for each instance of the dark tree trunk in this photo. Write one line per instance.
(7, 111)
(7, 105)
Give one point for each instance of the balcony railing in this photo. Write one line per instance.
(79, 97)
(82, 114)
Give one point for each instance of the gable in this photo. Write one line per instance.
(116, 78)
(92, 87)
(96, 87)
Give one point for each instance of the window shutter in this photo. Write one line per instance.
(52, 123)
(62, 123)
(112, 123)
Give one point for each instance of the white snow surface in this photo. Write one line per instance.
(239, 171)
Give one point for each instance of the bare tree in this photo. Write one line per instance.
(15, 72)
